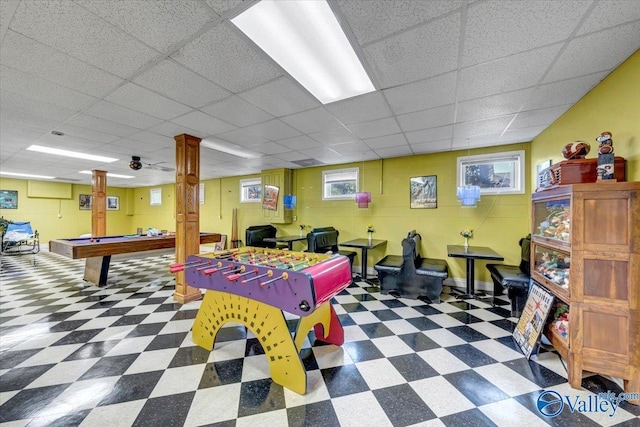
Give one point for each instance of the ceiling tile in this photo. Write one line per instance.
(312, 120)
(40, 60)
(610, 14)
(237, 111)
(25, 104)
(269, 148)
(558, 93)
(71, 29)
(431, 118)
(375, 128)
(614, 45)
(386, 141)
(105, 126)
(299, 143)
(154, 138)
(361, 108)
(242, 137)
(492, 106)
(90, 134)
(543, 117)
(523, 135)
(203, 123)
(496, 29)
(391, 152)
(431, 147)
(419, 53)
(16, 118)
(21, 83)
(324, 154)
(350, 147)
(143, 100)
(280, 98)
(333, 136)
(360, 157)
(223, 6)
(160, 24)
(122, 115)
(236, 65)
(481, 127)
(429, 93)
(373, 19)
(515, 72)
(273, 130)
(171, 129)
(177, 82)
(429, 135)
(292, 156)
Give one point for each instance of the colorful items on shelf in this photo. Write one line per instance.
(605, 156)
(554, 266)
(557, 225)
(561, 320)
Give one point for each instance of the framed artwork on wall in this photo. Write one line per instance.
(85, 202)
(113, 203)
(270, 198)
(8, 199)
(424, 192)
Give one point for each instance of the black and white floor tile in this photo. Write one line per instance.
(74, 354)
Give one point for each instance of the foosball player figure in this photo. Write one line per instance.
(605, 156)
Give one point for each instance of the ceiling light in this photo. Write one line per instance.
(74, 154)
(305, 38)
(229, 148)
(26, 175)
(112, 175)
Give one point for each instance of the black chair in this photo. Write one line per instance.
(515, 278)
(255, 235)
(325, 239)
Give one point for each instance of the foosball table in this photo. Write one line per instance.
(254, 286)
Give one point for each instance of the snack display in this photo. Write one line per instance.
(557, 223)
(553, 265)
(561, 320)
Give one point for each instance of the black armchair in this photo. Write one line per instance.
(255, 235)
(515, 278)
(325, 239)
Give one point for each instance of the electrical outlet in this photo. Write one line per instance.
(295, 218)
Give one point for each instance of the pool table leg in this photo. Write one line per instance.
(96, 270)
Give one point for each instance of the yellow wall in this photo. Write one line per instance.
(62, 218)
(614, 106)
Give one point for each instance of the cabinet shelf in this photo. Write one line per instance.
(585, 250)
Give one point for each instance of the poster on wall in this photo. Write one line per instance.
(8, 199)
(424, 192)
(85, 202)
(533, 318)
(270, 197)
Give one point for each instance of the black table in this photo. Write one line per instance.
(471, 254)
(364, 245)
(285, 239)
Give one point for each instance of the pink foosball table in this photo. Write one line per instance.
(253, 286)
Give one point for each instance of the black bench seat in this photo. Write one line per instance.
(410, 275)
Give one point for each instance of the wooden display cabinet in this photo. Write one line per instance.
(585, 249)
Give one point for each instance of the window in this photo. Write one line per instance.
(496, 173)
(201, 193)
(155, 196)
(340, 184)
(250, 190)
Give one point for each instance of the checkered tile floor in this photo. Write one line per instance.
(73, 354)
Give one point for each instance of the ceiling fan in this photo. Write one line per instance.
(136, 164)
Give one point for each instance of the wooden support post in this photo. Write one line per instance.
(98, 203)
(187, 211)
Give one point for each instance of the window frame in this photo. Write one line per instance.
(332, 172)
(517, 159)
(250, 182)
(155, 196)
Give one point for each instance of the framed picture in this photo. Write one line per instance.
(8, 199)
(113, 203)
(423, 192)
(495, 173)
(533, 318)
(85, 202)
(222, 244)
(270, 197)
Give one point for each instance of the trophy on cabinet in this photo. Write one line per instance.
(605, 157)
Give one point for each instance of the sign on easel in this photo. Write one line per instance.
(533, 318)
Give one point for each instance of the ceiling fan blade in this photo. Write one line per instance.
(160, 168)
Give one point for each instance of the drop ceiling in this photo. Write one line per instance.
(122, 78)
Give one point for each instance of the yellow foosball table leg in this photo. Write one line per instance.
(326, 325)
(266, 322)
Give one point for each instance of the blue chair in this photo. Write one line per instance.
(19, 238)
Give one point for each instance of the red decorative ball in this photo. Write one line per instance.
(576, 150)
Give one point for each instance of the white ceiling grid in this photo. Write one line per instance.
(122, 78)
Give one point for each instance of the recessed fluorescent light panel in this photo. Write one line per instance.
(66, 153)
(26, 175)
(112, 175)
(227, 147)
(305, 38)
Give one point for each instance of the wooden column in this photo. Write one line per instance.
(187, 210)
(98, 203)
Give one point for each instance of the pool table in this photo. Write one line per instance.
(98, 250)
